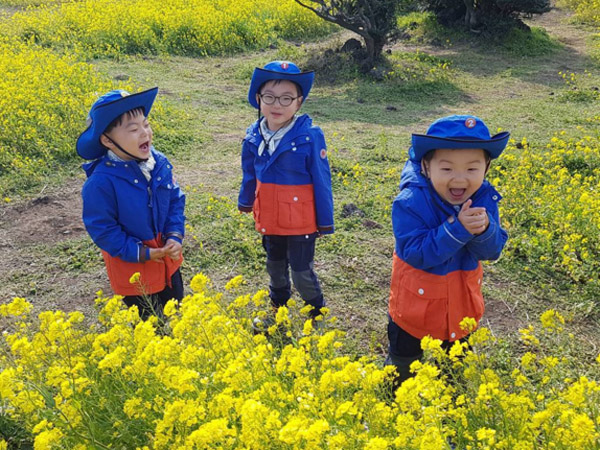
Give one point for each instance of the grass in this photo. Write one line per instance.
(514, 87)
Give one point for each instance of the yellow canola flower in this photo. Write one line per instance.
(18, 307)
(44, 101)
(199, 283)
(202, 380)
(235, 282)
(135, 278)
(552, 320)
(180, 27)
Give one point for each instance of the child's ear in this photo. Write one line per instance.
(424, 168)
(105, 141)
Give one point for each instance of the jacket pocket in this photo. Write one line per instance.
(473, 281)
(152, 276)
(295, 209)
(424, 303)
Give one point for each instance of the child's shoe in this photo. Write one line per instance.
(260, 326)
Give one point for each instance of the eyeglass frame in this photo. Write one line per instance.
(278, 99)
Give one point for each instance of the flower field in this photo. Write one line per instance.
(203, 380)
(180, 27)
(556, 226)
(41, 107)
(586, 10)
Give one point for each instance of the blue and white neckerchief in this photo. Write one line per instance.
(273, 137)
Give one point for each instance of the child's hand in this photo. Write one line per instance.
(157, 254)
(475, 220)
(173, 249)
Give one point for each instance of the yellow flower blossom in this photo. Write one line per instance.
(199, 283)
(235, 282)
(135, 278)
(204, 381)
(552, 320)
(18, 307)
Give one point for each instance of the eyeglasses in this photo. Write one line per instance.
(284, 100)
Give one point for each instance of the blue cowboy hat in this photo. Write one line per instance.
(458, 132)
(279, 70)
(106, 109)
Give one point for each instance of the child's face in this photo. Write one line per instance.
(276, 115)
(456, 174)
(133, 134)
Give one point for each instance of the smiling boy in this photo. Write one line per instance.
(132, 205)
(445, 222)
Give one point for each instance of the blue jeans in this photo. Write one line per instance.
(296, 253)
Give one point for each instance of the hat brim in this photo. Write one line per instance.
(422, 143)
(88, 144)
(261, 76)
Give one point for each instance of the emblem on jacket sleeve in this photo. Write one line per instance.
(323, 153)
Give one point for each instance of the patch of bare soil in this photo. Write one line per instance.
(46, 218)
(29, 233)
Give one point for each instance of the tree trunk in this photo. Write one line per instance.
(470, 16)
(374, 48)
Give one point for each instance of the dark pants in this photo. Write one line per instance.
(297, 253)
(404, 349)
(153, 304)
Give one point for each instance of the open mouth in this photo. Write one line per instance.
(145, 147)
(457, 193)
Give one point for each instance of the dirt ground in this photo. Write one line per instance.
(28, 232)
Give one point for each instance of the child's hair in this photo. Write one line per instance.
(277, 81)
(119, 120)
(427, 157)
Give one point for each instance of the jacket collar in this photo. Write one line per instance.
(121, 169)
(300, 128)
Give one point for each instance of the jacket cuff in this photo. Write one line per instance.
(143, 253)
(456, 230)
(176, 236)
(244, 208)
(326, 229)
(488, 233)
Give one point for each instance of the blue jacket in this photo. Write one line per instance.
(289, 191)
(121, 209)
(437, 275)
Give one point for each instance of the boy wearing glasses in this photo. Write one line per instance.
(286, 181)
